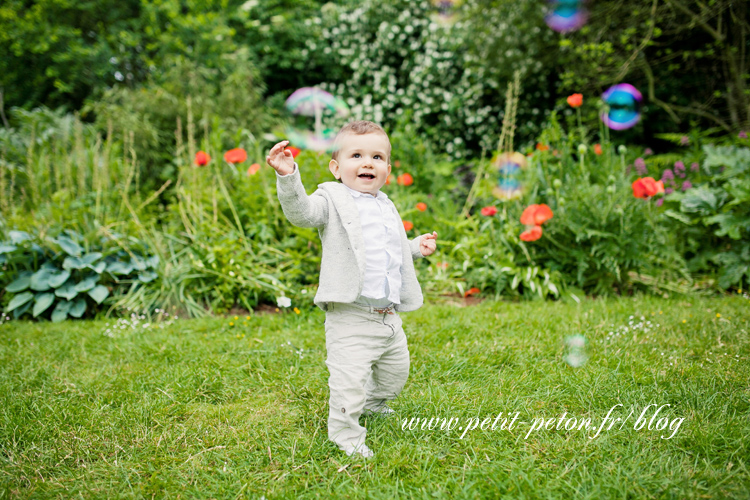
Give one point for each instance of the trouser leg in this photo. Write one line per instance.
(391, 370)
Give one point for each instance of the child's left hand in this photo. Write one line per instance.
(428, 243)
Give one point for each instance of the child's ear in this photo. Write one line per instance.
(333, 166)
(389, 170)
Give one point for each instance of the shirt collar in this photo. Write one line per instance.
(381, 195)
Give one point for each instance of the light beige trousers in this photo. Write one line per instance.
(368, 362)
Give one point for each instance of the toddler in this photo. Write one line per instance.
(366, 275)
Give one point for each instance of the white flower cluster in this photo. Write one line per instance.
(633, 327)
(138, 323)
(402, 65)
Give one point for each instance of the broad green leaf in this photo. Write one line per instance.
(678, 216)
(90, 258)
(138, 263)
(700, 200)
(19, 300)
(147, 276)
(61, 311)
(73, 263)
(7, 248)
(119, 267)
(87, 283)
(19, 284)
(67, 291)
(78, 308)
(42, 302)
(40, 279)
(17, 237)
(69, 246)
(153, 261)
(59, 278)
(99, 267)
(17, 313)
(99, 293)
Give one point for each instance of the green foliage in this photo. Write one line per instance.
(713, 217)
(67, 271)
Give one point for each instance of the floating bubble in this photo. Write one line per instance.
(624, 106)
(314, 115)
(446, 11)
(566, 15)
(576, 351)
(509, 167)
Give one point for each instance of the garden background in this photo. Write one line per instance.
(118, 200)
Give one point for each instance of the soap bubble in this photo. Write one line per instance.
(509, 167)
(566, 15)
(446, 11)
(576, 351)
(314, 115)
(623, 106)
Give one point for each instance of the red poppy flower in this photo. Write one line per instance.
(389, 179)
(421, 206)
(645, 187)
(405, 179)
(541, 147)
(408, 225)
(532, 234)
(294, 151)
(536, 215)
(575, 100)
(237, 155)
(397, 164)
(489, 211)
(202, 158)
(598, 149)
(471, 291)
(253, 169)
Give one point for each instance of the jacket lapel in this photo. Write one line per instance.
(349, 215)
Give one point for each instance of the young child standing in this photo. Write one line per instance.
(367, 275)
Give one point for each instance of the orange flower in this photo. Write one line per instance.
(536, 215)
(421, 206)
(443, 265)
(389, 179)
(397, 163)
(471, 291)
(202, 158)
(541, 147)
(405, 180)
(294, 151)
(237, 155)
(598, 149)
(253, 169)
(644, 187)
(408, 225)
(532, 234)
(489, 211)
(575, 100)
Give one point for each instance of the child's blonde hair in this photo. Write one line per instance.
(360, 127)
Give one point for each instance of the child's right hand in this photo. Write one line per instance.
(281, 159)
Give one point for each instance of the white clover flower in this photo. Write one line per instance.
(283, 301)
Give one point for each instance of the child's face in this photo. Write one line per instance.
(362, 162)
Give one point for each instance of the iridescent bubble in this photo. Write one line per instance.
(314, 117)
(623, 106)
(446, 11)
(576, 355)
(566, 15)
(509, 167)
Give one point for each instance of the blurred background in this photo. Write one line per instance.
(105, 106)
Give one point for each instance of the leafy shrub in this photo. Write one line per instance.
(67, 272)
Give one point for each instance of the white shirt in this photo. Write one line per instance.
(383, 254)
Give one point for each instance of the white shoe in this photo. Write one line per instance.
(361, 450)
(382, 411)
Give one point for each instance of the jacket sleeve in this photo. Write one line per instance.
(299, 208)
(416, 253)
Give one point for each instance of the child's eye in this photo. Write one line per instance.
(378, 157)
(356, 155)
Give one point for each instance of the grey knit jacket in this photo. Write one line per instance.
(334, 213)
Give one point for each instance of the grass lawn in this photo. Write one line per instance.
(205, 409)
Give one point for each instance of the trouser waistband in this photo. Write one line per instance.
(389, 309)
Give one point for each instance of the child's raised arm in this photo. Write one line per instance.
(281, 159)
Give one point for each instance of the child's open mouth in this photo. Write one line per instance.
(366, 176)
